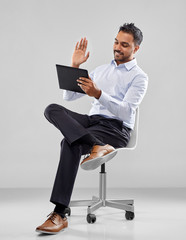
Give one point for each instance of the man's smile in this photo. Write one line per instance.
(118, 53)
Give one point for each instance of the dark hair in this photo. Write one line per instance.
(136, 32)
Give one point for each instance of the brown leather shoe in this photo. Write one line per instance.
(54, 224)
(98, 156)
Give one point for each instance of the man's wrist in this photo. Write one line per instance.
(98, 94)
(75, 66)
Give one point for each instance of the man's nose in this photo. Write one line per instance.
(118, 47)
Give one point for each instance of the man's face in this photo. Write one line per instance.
(124, 47)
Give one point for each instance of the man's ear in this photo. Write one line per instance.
(136, 48)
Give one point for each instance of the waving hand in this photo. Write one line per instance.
(79, 56)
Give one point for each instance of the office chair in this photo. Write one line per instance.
(101, 201)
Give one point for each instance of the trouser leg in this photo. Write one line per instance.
(77, 141)
(67, 171)
(72, 125)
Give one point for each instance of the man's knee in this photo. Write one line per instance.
(50, 109)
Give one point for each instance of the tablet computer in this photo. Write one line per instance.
(67, 77)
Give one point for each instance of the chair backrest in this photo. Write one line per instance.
(134, 133)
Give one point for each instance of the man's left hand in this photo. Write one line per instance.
(89, 87)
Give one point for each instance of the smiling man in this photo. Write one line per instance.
(117, 90)
(124, 47)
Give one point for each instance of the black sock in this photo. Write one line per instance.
(60, 209)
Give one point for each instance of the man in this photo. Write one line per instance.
(117, 89)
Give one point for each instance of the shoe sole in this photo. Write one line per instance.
(50, 233)
(96, 162)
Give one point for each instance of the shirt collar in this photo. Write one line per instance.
(128, 65)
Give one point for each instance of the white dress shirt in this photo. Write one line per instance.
(123, 87)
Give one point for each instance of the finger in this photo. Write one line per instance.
(86, 79)
(80, 86)
(84, 44)
(80, 44)
(84, 88)
(76, 47)
(83, 82)
(86, 83)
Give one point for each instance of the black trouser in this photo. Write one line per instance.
(74, 127)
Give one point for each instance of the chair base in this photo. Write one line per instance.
(98, 202)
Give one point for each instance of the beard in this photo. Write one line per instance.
(120, 57)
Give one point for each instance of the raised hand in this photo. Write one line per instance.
(79, 56)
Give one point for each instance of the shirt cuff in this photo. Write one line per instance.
(104, 98)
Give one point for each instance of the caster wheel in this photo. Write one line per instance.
(67, 211)
(129, 215)
(91, 218)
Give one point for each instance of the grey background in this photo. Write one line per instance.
(35, 35)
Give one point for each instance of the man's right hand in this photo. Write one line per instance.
(78, 56)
